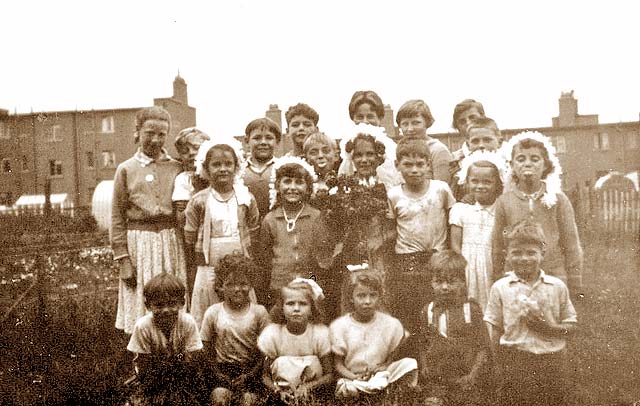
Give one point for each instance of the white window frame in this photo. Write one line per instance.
(4, 162)
(108, 159)
(561, 144)
(108, 125)
(604, 142)
(56, 133)
(57, 168)
(633, 141)
(4, 131)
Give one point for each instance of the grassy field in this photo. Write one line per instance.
(70, 353)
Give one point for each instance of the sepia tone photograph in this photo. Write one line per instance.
(300, 203)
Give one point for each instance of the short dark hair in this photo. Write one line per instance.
(162, 286)
(263, 124)
(152, 113)
(531, 143)
(414, 108)
(293, 170)
(526, 231)
(363, 278)
(448, 263)
(412, 146)
(223, 148)
(302, 109)
(463, 106)
(369, 97)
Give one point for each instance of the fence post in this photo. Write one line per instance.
(42, 321)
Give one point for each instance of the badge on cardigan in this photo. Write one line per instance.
(149, 177)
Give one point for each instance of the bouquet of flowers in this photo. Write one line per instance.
(350, 201)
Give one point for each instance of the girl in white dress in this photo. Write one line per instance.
(472, 224)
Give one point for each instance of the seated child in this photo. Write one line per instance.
(414, 118)
(230, 332)
(296, 346)
(454, 350)
(419, 207)
(320, 152)
(530, 317)
(364, 343)
(164, 341)
(302, 121)
(261, 137)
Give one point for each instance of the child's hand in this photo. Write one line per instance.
(468, 198)
(302, 391)
(127, 272)
(537, 322)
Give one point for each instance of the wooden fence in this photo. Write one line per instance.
(612, 211)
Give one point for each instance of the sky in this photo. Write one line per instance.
(238, 57)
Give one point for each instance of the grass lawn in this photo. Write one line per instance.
(74, 355)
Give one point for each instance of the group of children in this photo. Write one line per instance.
(458, 290)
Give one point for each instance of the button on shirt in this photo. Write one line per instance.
(506, 308)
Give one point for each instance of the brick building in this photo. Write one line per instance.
(587, 149)
(75, 149)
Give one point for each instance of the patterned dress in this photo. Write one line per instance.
(477, 223)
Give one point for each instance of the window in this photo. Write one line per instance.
(56, 133)
(601, 141)
(108, 159)
(6, 198)
(55, 168)
(91, 161)
(560, 143)
(108, 125)
(4, 130)
(6, 165)
(632, 141)
(24, 163)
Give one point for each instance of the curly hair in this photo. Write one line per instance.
(366, 96)
(414, 108)
(294, 171)
(362, 137)
(236, 267)
(263, 124)
(277, 312)
(302, 109)
(531, 143)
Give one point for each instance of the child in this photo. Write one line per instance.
(187, 143)
(464, 112)
(144, 235)
(414, 118)
(320, 152)
(534, 191)
(530, 317)
(230, 331)
(302, 121)
(366, 107)
(221, 219)
(419, 207)
(472, 224)
(296, 346)
(364, 343)
(369, 240)
(482, 135)
(261, 136)
(288, 234)
(454, 353)
(164, 342)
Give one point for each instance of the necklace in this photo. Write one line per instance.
(291, 223)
